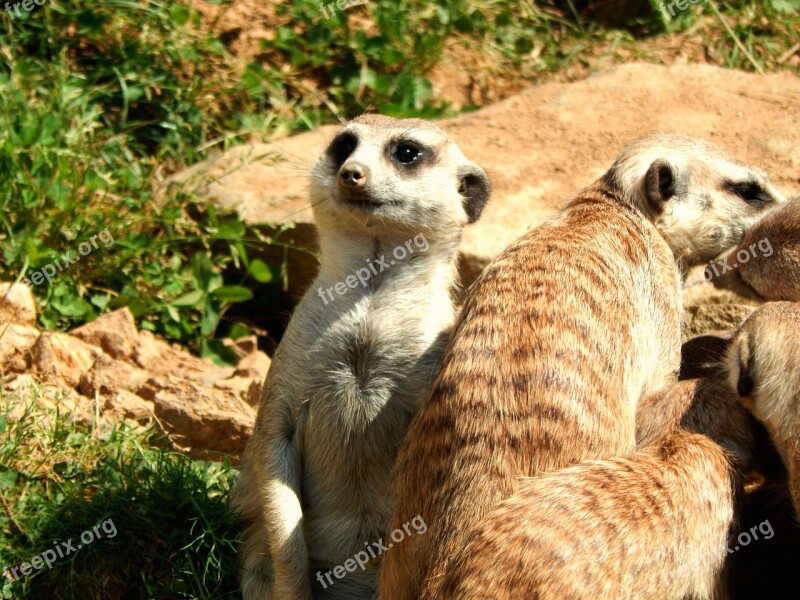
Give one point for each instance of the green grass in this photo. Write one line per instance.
(174, 535)
(101, 101)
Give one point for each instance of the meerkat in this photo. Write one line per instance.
(655, 524)
(766, 264)
(763, 365)
(357, 359)
(559, 338)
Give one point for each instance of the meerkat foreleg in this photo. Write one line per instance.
(283, 513)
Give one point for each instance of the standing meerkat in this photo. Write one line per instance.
(763, 365)
(766, 264)
(559, 338)
(390, 199)
(655, 524)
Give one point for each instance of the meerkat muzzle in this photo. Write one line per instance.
(352, 176)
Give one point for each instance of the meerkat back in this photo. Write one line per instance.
(559, 339)
(652, 525)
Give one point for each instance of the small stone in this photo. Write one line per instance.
(16, 340)
(17, 304)
(254, 365)
(114, 332)
(204, 419)
(61, 356)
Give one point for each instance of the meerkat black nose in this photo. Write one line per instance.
(352, 175)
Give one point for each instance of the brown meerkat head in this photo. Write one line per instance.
(397, 173)
(763, 367)
(699, 198)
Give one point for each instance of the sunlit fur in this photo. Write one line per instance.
(350, 372)
(706, 216)
(650, 525)
(559, 339)
(772, 269)
(763, 364)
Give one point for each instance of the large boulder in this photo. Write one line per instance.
(538, 147)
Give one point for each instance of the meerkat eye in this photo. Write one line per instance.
(750, 192)
(407, 153)
(341, 148)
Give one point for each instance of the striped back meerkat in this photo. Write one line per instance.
(766, 264)
(763, 365)
(654, 524)
(390, 199)
(559, 338)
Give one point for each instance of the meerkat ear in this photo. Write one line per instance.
(744, 384)
(659, 183)
(474, 187)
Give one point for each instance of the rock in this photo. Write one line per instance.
(203, 419)
(538, 148)
(255, 366)
(130, 406)
(254, 393)
(160, 358)
(108, 377)
(242, 346)
(15, 342)
(246, 388)
(17, 304)
(698, 320)
(22, 383)
(61, 356)
(114, 332)
(149, 350)
(201, 406)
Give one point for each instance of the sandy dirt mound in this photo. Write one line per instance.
(543, 145)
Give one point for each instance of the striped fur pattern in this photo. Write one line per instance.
(558, 340)
(654, 525)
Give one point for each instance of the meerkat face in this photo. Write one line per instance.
(763, 367)
(381, 171)
(701, 200)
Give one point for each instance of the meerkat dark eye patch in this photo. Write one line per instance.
(660, 183)
(750, 192)
(342, 146)
(475, 189)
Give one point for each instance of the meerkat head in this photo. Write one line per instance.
(397, 173)
(763, 367)
(699, 198)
